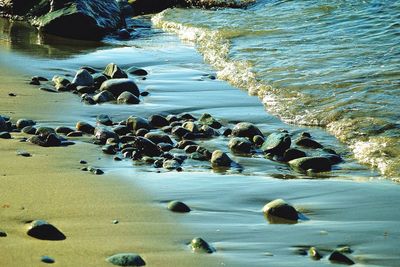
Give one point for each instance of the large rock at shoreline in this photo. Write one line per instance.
(81, 19)
(118, 86)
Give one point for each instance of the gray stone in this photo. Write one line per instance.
(276, 143)
(199, 245)
(99, 78)
(240, 145)
(315, 164)
(112, 71)
(246, 129)
(126, 259)
(337, 257)
(191, 126)
(135, 123)
(220, 159)
(127, 98)
(158, 121)
(102, 134)
(44, 131)
(109, 150)
(83, 78)
(118, 86)
(177, 206)
(104, 119)
(75, 134)
(22, 123)
(179, 131)
(88, 99)
(293, 153)
(171, 164)
(158, 138)
(84, 127)
(146, 147)
(103, 97)
(121, 130)
(207, 119)
(95, 171)
(280, 209)
(43, 230)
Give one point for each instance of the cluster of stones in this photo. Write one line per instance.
(111, 85)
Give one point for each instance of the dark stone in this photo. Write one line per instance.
(5, 135)
(52, 140)
(204, 152)
(124, 34)
(121, 130)
(246, 129)
(87, 99)
(126, 259)
(83, 162)
(177, 206)
(104, 119)
(102, 134)
(240, 145)
(293, 153)
(127, 98)
(179, 131)
(335, 159)
(258, 140)
(227, 132)
(315, 164)
(47, 259)
(95, 170)
(109, 150)
(24, 154)
(207, 119)
(141, 132)
(3, 124)
(191, 149)
(187, 117)
(220, 159)
(165, 147)
(63, 130)
(22, 123)
(86, 89)
(99, 78)
(171, 118)
(158, 121)
(84, 127)
(158, 138)
(3, 234)
(89, 69)
(280, 209)
(144, 93)
(308, 142)
(136, 123)
(112, 71)
(85, 19)
(340, 258)
(34, 81)
(276, 143)
(103, 97)
(199, 245)
(49, 89)
(75, 134)
(137, 71)
(118, 86)
(83, 78)
(167, 129)
(184, 143)
(207, 132)
(146, 147)
(45, 231)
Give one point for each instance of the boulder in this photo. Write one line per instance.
(276, 143)
(137, 71)
(135, 123)
(127, 98)
(207, 119)
(308, 143)
(315, 164)
(178, 206)
(103, 97)
(80, 19)
(158, 121)
(84, 127)
(246, 129)
(22, 123)
(118, 86)
(240, 145)
(83, 78)
(158, 138)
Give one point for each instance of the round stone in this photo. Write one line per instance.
(177, 206)
(126, 259)
(43, 230)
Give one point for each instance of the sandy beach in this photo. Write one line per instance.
(351, 206)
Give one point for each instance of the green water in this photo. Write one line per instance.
(334, 64)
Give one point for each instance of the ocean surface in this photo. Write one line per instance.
(332, 64)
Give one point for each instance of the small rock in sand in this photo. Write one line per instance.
(199, 245)
(178, 206)
(47, 259)
(5, 135)
(280, 209)
(337, 257)
(43, 230)
(126, 259)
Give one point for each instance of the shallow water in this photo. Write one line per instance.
(325, 63)
(351, 205)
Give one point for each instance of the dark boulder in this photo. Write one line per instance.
(178, 206)
(246, 129)
(112, 71)
(315, 164)
(45, 231)
(135, 123)
(118, 86)
(126, 259)
(240, 145)
(279, 209)
(127, 98)
(276, 143)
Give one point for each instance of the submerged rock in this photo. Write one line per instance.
(178, 206)
(293, 153)
(43, 230)
(199, 245)
(315, 164)
(308, 142)
(240, 145)
(280, 209)
(104, 119)
(126, 259)
(127, 98)
(314, 253)
(137, 71)
(103, 97)
(207, 119)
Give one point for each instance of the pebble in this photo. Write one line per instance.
(126, 259)
(47, 259)
(220, 159)
(83, 161)
(29, 130)
(199, 245)
(158, 121)
(24, 153)
(43, 230)
(12, 94)
(94, 170)
(171, 164)
(3, 234)
(137, 71)
(135, 123)
(177, 206)
(22, 123)
(240, 145)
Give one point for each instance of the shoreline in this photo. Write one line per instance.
(227, 206)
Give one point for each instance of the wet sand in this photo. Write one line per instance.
(351, 205)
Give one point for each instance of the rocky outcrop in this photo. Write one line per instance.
(81, 19)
